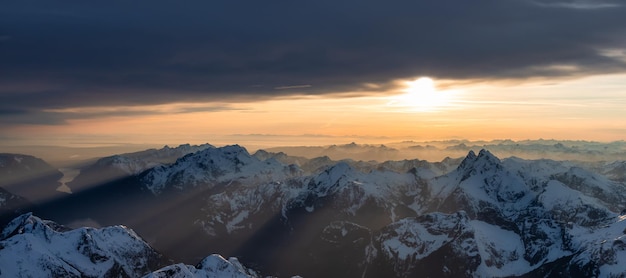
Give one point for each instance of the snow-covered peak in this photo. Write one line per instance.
(332, 174)
(27, 223)
(128, 165)
(210, 267)
(484, 161)
(469, 159)
(213, 166)
(189, 148)
(149, 158)
(167, 152)
(119, 166)
(471, 155)
(481, 181)
(112, 160)
(232, 266)
(233, 155)
(485, 154)
(331, 179)
(31, 247)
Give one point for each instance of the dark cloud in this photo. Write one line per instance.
(11, 111)
(93, 53)
(58, 117)
(580, 4)
(32, 117)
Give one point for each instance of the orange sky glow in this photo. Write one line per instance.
(590, 108)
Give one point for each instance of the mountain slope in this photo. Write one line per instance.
(116, 167)
(31, 247)
(216, 166)
(211, 266)
(485, 217)
(538, 207)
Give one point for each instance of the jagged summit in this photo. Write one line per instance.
(469, 158)
(188, 147)
(471, 155)
(487, 154)
(483, 162)
(483, 155)
(481, 183)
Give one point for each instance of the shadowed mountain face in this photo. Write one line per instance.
(29, 177)
(479, 216)
(11, 206)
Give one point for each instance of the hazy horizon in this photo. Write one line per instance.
(432, 150)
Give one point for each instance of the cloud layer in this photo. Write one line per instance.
(95, 53)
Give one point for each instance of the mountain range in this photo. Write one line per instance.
(283, 215)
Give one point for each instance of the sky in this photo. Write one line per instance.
(310, 72)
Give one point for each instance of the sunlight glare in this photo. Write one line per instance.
(423, 85)
(421, 95)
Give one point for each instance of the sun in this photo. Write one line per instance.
(424, 85)
(421, 95)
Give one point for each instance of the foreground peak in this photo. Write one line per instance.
(32, 247)
(211, 266)
(18, 224)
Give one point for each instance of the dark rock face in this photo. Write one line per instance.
(432, 245)
(341, 249)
